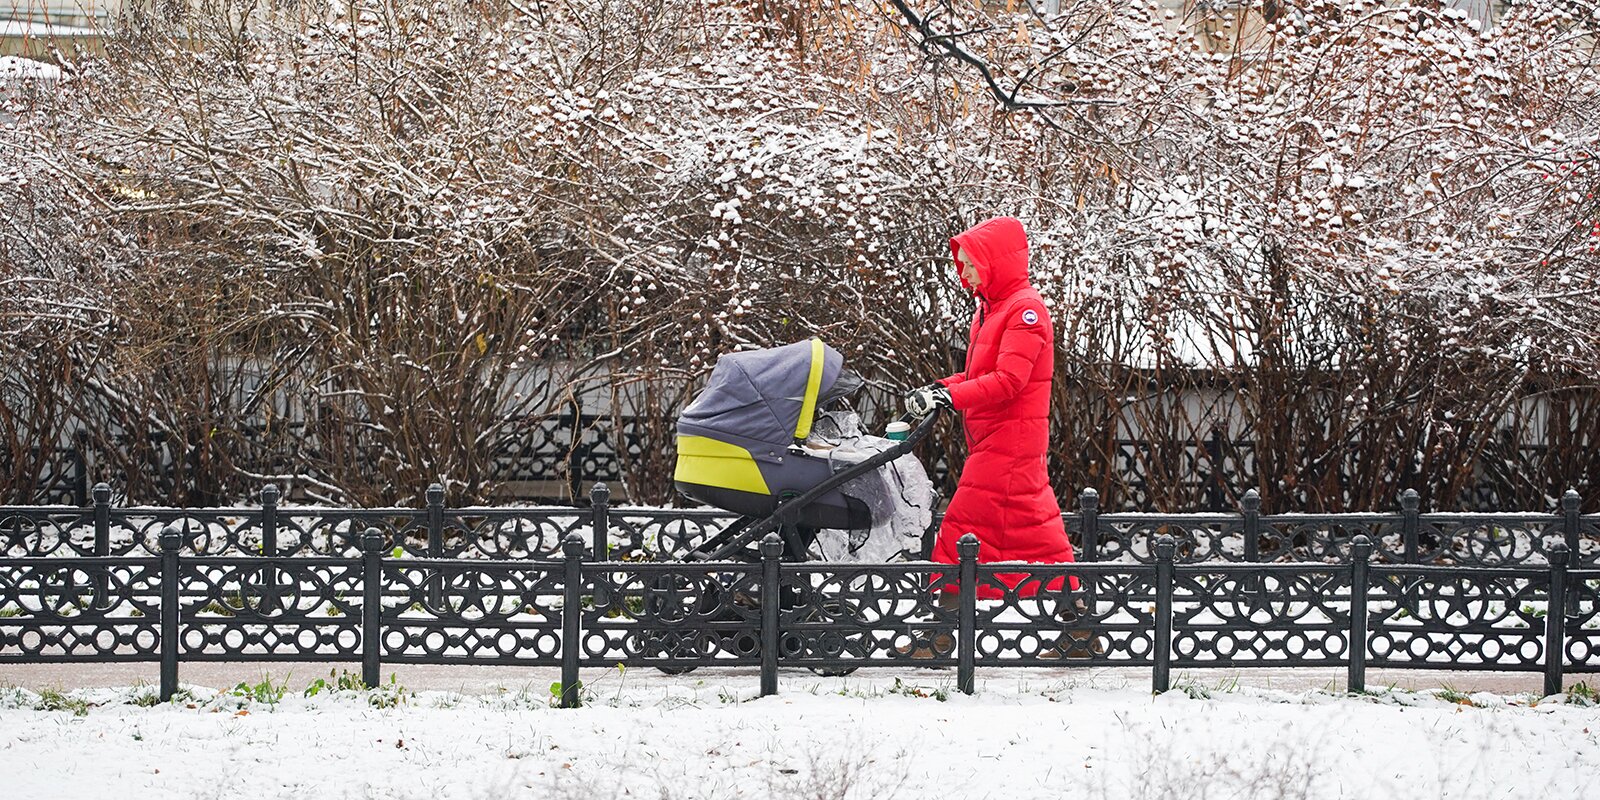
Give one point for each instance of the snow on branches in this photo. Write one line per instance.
(395, 209)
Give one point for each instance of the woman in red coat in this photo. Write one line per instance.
(1004, 493)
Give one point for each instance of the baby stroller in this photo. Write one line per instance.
(741, 448)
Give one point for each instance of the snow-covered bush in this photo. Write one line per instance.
(1364, 239)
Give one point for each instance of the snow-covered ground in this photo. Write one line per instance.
(1023, 735)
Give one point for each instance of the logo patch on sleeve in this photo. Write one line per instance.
(1030, 316)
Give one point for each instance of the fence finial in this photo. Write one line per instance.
(1558, 554)
(1166, 547)
(968, 543)
(572, 545)
(772, 545)
(171, 537)
(1361, 547)
(1570, 500)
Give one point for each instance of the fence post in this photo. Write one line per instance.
(1161, 676)
(102, 542)
(269, 545)
(600, 520)
(1251, 508)
(1571, 529)
(1571, 520)
(967, 619)
(371, 607)
(571, 619)
(102, 519)
(771, 588)
(171, 542)
(269, 520)
(1360, 554)
(435, 496)
(1555, 619)
(436, 520)
(1410, 501)
(1089, 522)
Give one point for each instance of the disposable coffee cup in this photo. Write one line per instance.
(898, 431)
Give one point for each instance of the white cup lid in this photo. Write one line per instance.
(898, 426)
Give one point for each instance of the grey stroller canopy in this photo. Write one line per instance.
(771, 395)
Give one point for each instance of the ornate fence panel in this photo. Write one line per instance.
(1489, 540)
(1053, 613)
(668, 533)
(47, 531)
(269, 609)
(1430, 617)
(675, 617)
(470, 612)
(1268, 615)
(503, 533)
(83, 609)
(838, 617)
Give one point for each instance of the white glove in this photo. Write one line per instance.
(922, 402)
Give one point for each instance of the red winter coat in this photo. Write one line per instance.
(1004, 494)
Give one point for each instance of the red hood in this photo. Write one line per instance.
(999, 248)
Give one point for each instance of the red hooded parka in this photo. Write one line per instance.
(1004, 493)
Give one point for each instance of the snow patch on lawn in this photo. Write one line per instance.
(856, 737)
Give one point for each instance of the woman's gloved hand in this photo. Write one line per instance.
(922, 402)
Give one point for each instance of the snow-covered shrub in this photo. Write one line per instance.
(355, 247)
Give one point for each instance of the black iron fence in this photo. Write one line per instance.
(600, 586)
(574, 612)
(1406, 535)
(552, 458)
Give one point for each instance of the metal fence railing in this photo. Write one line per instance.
(600, 586)
(1406, 535)
(574, 612)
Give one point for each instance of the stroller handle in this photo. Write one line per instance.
(788, 508)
